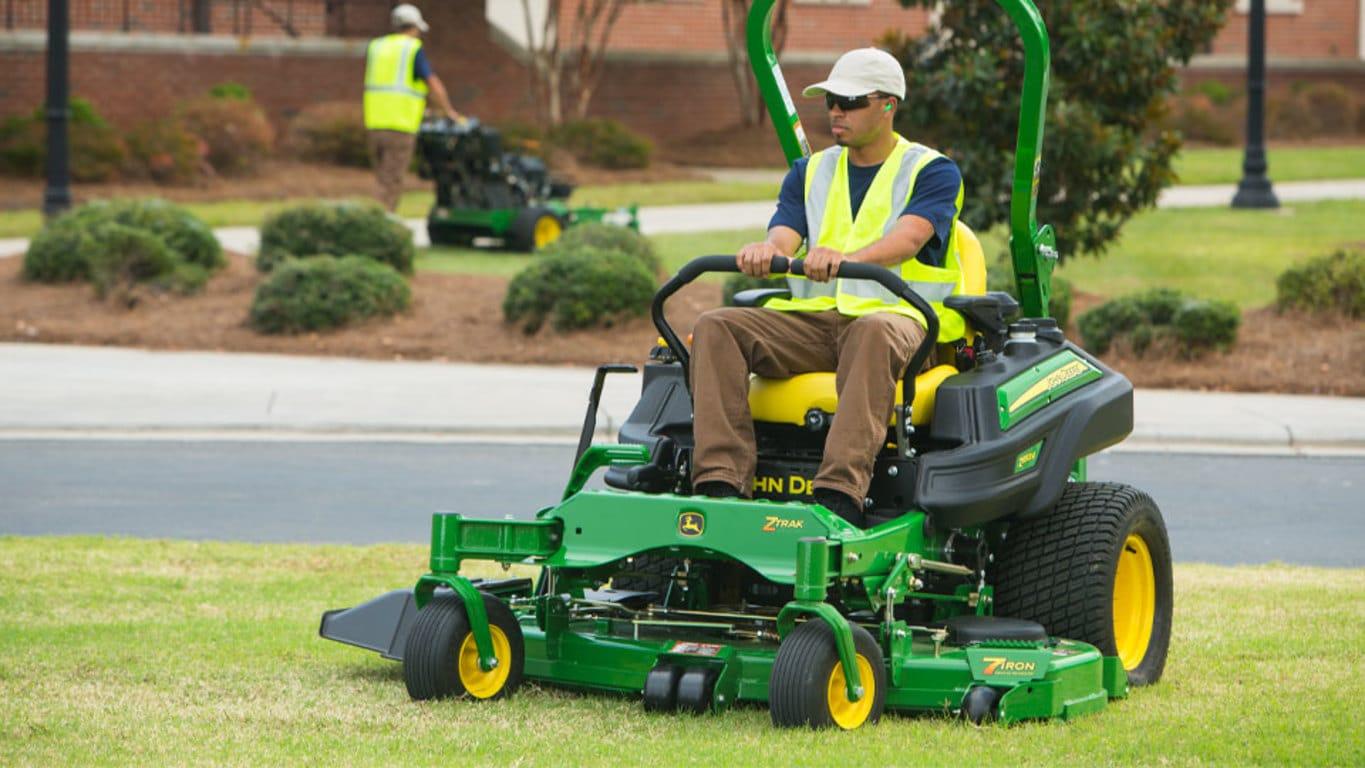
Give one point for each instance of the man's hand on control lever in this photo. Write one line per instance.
(756, 259)
(822, 264)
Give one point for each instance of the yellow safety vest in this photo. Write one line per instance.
(394, 99)
(831, 224)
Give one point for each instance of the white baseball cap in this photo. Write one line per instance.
(862, 71)
(407, 15)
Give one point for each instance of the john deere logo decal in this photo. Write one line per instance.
(691, 524)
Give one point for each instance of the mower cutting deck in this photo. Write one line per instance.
(992, 581)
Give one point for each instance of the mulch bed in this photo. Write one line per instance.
(459, 318)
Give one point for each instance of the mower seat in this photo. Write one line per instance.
(788, 401)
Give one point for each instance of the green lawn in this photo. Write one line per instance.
(1224, 165)
(1219, 252)
(116, 651)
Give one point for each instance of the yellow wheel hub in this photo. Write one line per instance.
(851, 714)
(481, 684)
(1134, 601)
(547, 231)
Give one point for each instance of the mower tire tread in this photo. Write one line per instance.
(1058, 568)
(797, 690)
(429, 658)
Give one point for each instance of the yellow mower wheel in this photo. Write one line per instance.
(441, 659)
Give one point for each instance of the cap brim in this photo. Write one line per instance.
(422, 25)
(836, 87)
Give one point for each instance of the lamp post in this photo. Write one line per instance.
(57, 195)
(1254, 191)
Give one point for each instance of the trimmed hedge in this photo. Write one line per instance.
(608, 237)
(331, 132)
(67, 248)
(1332, 283)
(237, 132)
(604, 143)
(583, 287)
(125, 256)
(1162, 317)
(322, 292)
(325, 228)
(97, 151)
(166, 152)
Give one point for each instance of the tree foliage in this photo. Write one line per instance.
(1105, 156)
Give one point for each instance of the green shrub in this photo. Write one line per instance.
(237, 133)
(1332, 283)
(604, 143)
(232, 91)
(166, 152)
(59, 253)
(609, 237)
(360, 229)
(67, 248)
(123, 256)
(578, 288)
(1219, 94)
(97, 152)
(325, 292)
(322, 292)
(1199, 324)
(330, 132)
(522, 138)
(1197, 119)
(1192, 326)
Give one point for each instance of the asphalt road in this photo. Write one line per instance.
(1219, 509)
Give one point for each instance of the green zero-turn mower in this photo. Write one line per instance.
(992, 581)
(485, 195)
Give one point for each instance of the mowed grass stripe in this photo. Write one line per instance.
(118, 651)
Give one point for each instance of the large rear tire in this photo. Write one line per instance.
(441, 659)
(1096, 568)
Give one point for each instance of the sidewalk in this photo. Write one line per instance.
(57, 390)
(711, 217)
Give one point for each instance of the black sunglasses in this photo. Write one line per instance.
(851, 103)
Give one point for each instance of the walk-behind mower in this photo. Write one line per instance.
(485, 196)
(992, 580)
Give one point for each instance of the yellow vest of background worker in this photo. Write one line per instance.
(831, 224)
(394, 99)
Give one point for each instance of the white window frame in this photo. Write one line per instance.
(1275, 7)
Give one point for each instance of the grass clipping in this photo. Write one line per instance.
(181, 652)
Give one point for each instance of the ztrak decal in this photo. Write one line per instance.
(691, 524)
(1028, 458)
(773, 522)
(1000, 665)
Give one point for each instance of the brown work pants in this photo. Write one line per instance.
(868, 355)
(391, 154)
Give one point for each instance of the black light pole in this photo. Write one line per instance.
(57, 195)
(1254, 191)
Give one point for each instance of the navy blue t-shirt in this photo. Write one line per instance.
(421, 70)
(934, 199)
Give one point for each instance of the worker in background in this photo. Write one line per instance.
(398, 79)
(873, 198)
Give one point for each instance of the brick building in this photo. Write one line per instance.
(136, 58)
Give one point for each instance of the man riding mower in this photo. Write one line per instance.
(976, 571)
